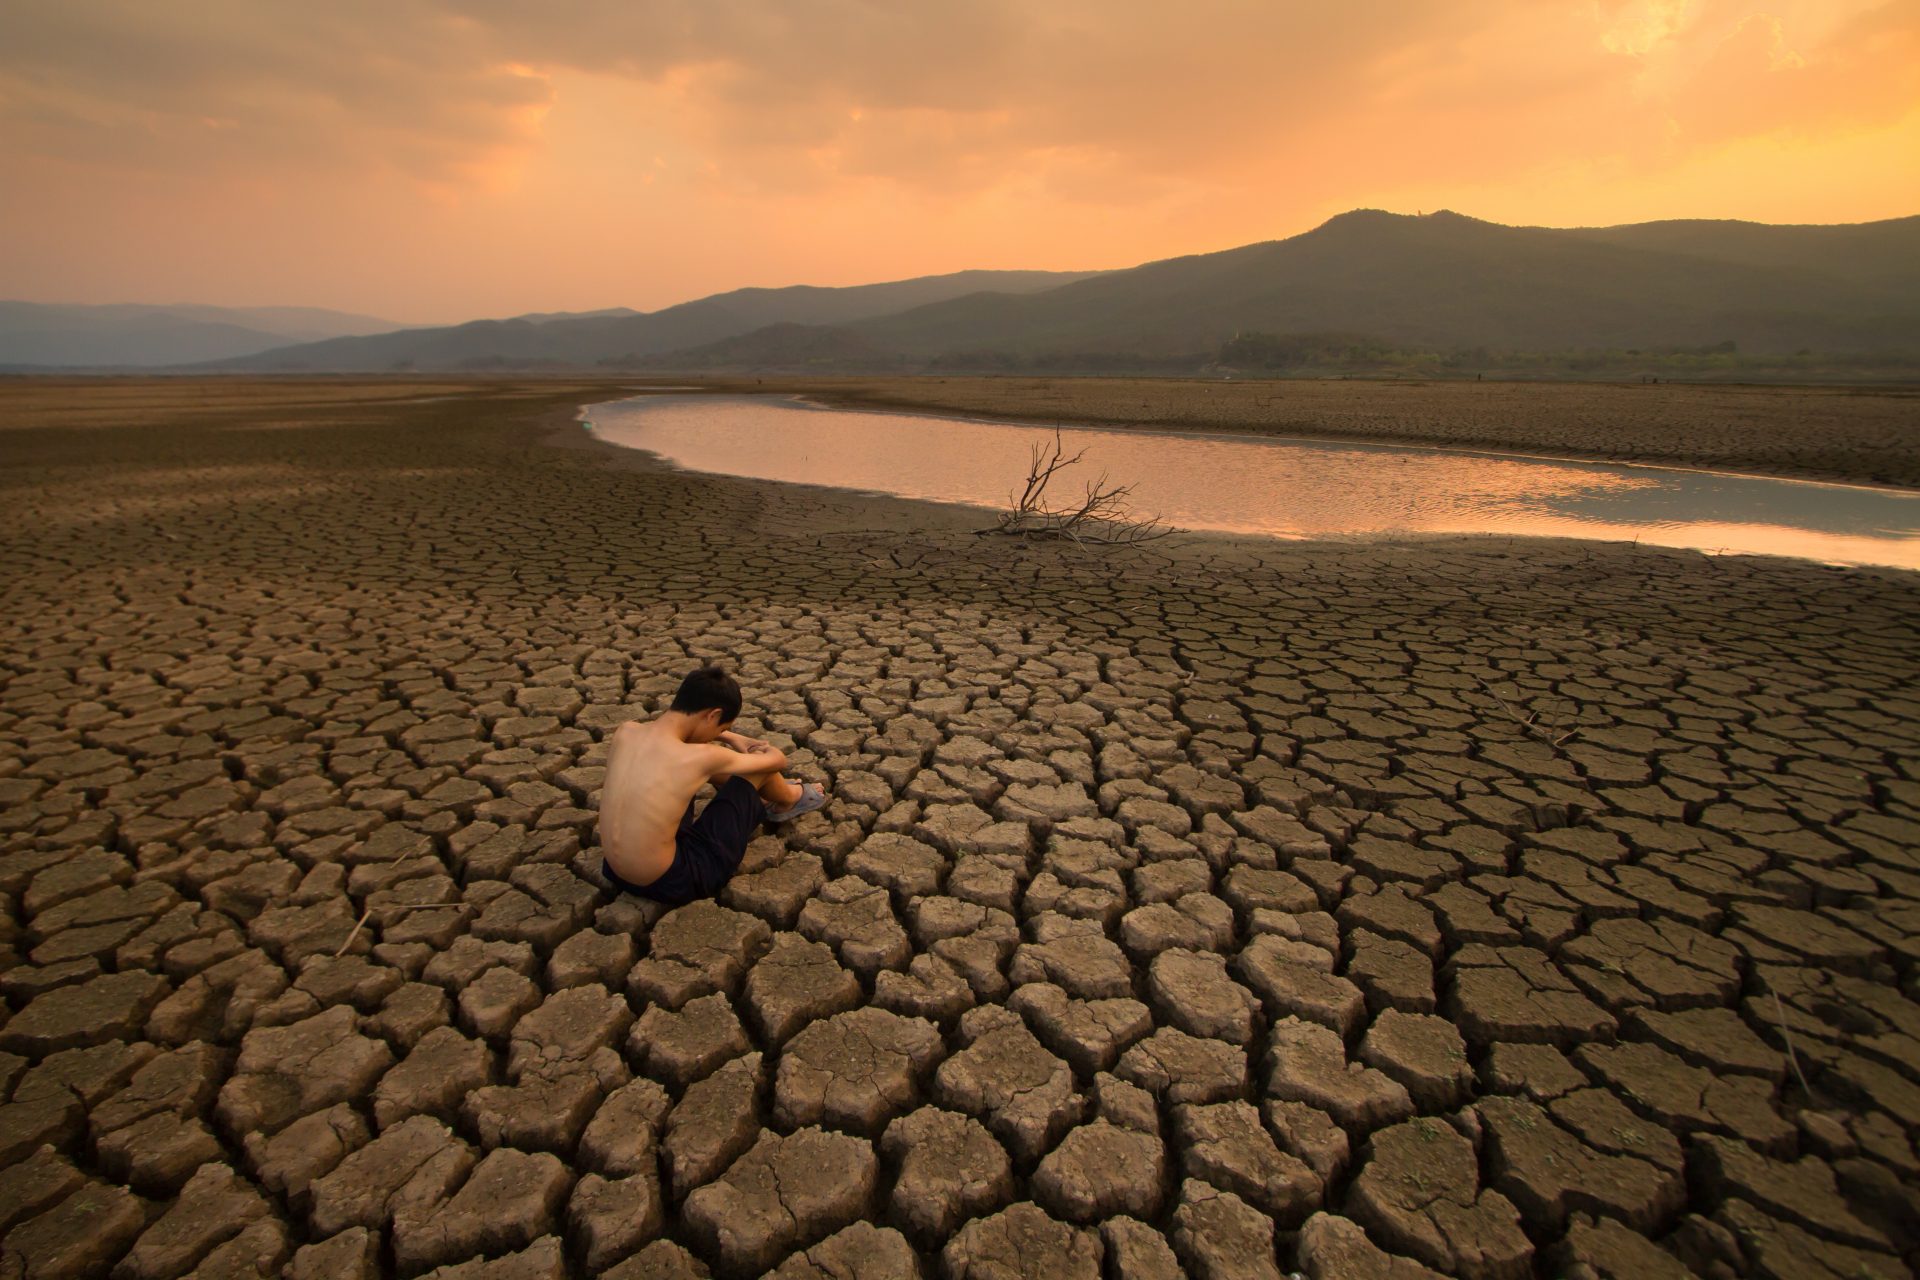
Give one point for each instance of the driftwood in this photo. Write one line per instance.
(1101, 515)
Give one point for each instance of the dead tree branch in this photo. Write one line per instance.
(1102, 514)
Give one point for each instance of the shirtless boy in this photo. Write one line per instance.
(653, 844)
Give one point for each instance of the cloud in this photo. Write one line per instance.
(922, 93)
(1752, 74)
(942, 96)
(452, 157)
(226, 85)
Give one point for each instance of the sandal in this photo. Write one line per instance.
(811, 798)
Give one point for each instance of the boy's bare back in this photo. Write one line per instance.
(652, 776)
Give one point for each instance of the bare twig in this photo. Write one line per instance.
(1787, 1036)
(396, 907)
(1527, 722)
(1102, 514)
(342, 949)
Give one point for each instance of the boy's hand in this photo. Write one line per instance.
(762, 757)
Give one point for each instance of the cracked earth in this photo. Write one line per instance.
(1460, 907)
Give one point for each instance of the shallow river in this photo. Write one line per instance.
(1287, 488)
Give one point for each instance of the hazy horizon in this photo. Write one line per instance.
(408, 322)
(444, 162)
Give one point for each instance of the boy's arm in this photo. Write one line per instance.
(725, 760)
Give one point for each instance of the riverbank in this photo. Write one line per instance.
(1867, 435)
(1131, 854)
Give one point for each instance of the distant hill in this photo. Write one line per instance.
(1442, 281)
(620, 336)
(1874, 254)
(1390, 285)
(49, 335)
(788, 346)
(547, 317)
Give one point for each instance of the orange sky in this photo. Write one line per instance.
(427, 160)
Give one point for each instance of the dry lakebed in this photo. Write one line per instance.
(1367, 909)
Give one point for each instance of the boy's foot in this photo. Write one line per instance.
(811, 798)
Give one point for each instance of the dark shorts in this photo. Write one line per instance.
(707, 849)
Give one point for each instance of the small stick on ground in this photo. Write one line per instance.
(395, 907)
(1787, 1036)
(1526, 722)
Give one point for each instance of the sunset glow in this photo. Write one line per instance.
(440, 161)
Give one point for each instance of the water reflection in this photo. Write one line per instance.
(1283, 488)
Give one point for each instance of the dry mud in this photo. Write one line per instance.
(1362, 910)
(1852, 434)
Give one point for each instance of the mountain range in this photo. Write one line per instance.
(1438, 282)
(1448, 281)
(52, 335)
(626, 336)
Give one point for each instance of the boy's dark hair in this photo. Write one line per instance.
(709, 687)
